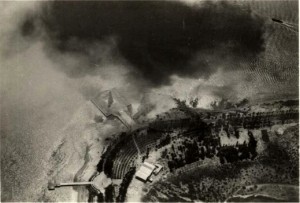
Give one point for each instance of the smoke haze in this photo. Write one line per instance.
(157, 39)
(54, 56)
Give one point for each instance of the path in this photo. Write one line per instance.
(136, 145)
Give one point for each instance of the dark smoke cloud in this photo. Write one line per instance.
(158, 39)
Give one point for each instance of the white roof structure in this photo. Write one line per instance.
(158, 168)
(145, 171)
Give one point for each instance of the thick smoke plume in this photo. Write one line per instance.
(54, 56)
(158, 39)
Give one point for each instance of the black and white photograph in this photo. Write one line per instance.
(149, 100)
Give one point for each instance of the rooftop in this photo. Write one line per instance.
(145, 171)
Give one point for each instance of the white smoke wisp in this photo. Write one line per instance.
(38, 100)
(77, 155)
